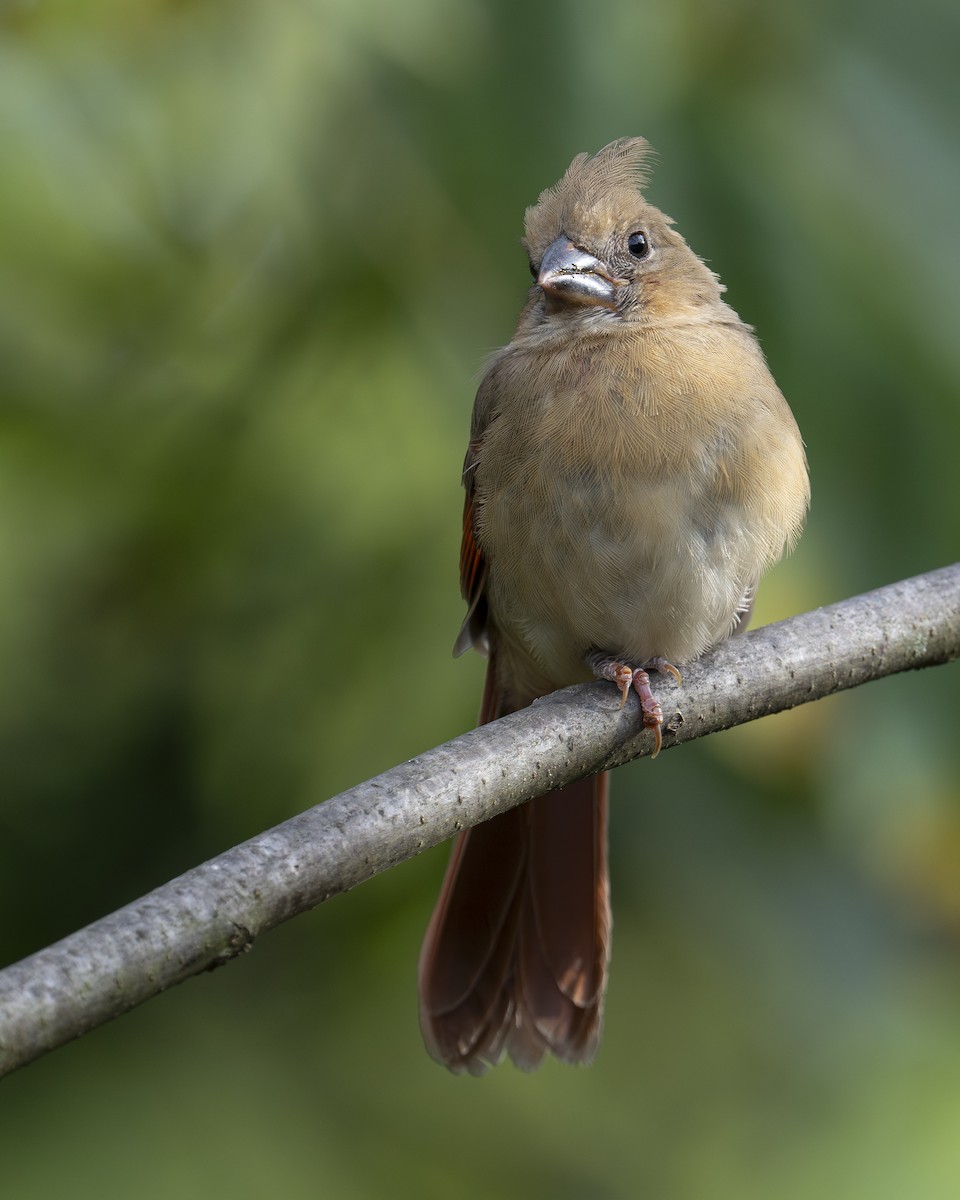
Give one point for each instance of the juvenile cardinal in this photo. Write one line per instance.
(632, 470)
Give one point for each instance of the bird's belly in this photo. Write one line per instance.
(638, 568)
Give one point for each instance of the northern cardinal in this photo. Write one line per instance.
(632, 470)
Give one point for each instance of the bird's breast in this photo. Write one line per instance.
(614, 513)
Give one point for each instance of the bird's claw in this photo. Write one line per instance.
(626, 677)
(664, 667)
(622, 676)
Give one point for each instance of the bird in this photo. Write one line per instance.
(632, 470)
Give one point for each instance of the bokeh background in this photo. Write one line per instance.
(252, 257)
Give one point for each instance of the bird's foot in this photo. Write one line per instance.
(627, 677)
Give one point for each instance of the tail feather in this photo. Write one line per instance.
(467, 956)
(515, 955)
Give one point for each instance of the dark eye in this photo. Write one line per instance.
(638, 245)
(533, 269)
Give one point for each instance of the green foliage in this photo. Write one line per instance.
(251, 258)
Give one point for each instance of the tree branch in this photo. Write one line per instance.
(213, 912)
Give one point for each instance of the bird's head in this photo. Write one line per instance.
(598, 249)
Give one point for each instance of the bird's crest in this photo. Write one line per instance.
(600, 184)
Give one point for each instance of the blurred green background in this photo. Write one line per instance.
(252, 257)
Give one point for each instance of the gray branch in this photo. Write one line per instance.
(215, 911)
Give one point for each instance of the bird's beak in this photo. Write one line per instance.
(570, 275)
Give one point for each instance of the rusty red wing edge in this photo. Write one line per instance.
(471, 560)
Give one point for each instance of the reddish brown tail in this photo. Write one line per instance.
(515, 955)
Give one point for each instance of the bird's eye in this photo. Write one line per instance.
(533, 269)
(638, 244)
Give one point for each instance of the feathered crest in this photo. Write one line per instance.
(616, 173)
(623, 163)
